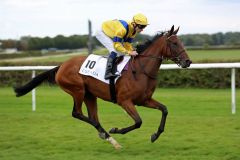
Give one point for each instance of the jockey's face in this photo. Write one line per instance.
(139, 28)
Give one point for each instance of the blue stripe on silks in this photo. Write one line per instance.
(117, 39)
(124, 23)
(130, 40)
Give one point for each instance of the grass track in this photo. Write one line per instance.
(215, 55)
(197, 56)
(199, 126)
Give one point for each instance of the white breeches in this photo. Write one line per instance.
(106, 42)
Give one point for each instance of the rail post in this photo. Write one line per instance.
(33, 94)
(233, 86)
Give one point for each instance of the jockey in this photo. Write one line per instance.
(117, 36)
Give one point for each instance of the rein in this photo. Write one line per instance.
(153, 57)
(143, 67)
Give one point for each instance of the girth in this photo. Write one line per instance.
(112, 80)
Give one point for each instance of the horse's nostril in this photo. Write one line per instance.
(188, 62)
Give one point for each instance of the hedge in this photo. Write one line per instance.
(198, 78)
(16, 78)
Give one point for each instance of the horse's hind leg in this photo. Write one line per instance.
(79, 95)
(91, 104)
(77, 107)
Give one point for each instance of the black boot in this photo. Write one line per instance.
(109, 69)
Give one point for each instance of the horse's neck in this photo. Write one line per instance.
(151, 59)
(150, 66)
(143, 65)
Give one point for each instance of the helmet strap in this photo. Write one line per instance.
(134, 27)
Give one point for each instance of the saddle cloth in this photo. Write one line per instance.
(95, 67)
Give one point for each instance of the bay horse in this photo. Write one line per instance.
(134, 87)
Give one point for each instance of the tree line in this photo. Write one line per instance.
(227, 39)
(36, 43)
(27, 43)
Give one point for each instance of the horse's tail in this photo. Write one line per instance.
(48, 76)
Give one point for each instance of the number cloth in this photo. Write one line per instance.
(95, 65)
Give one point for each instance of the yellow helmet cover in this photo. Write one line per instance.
(140, 19)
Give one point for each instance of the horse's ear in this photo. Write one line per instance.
(171, 31)
(175, 32)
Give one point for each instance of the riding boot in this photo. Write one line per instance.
(109, 68)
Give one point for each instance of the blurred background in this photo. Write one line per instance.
(49, 32)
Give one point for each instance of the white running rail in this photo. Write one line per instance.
(231, 66)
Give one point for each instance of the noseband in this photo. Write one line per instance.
(175, 56)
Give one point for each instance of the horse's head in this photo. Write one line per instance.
(175, 49)
(165, 46)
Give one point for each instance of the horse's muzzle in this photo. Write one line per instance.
(185, 63)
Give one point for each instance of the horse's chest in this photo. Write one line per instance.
(139, 91)
(142, 95)
(147, 94)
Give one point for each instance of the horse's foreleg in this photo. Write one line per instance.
(156, 105)
(131, 110)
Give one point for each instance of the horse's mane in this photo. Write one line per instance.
(142, 47)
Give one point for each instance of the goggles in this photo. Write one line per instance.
(141, 26)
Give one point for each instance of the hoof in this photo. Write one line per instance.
(102, 135)
(115, 144)
(113, 130)
(154, 137)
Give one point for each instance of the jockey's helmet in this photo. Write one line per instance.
(140, 19)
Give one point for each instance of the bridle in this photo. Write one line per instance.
(173, 50)
(174, 54)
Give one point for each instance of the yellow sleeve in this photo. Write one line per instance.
(128, 46)
(119, 47)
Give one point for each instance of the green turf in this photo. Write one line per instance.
(54, 58)
(197, 56)
(214, 55)
(200, 126)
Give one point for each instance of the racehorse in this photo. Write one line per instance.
(135, 86)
